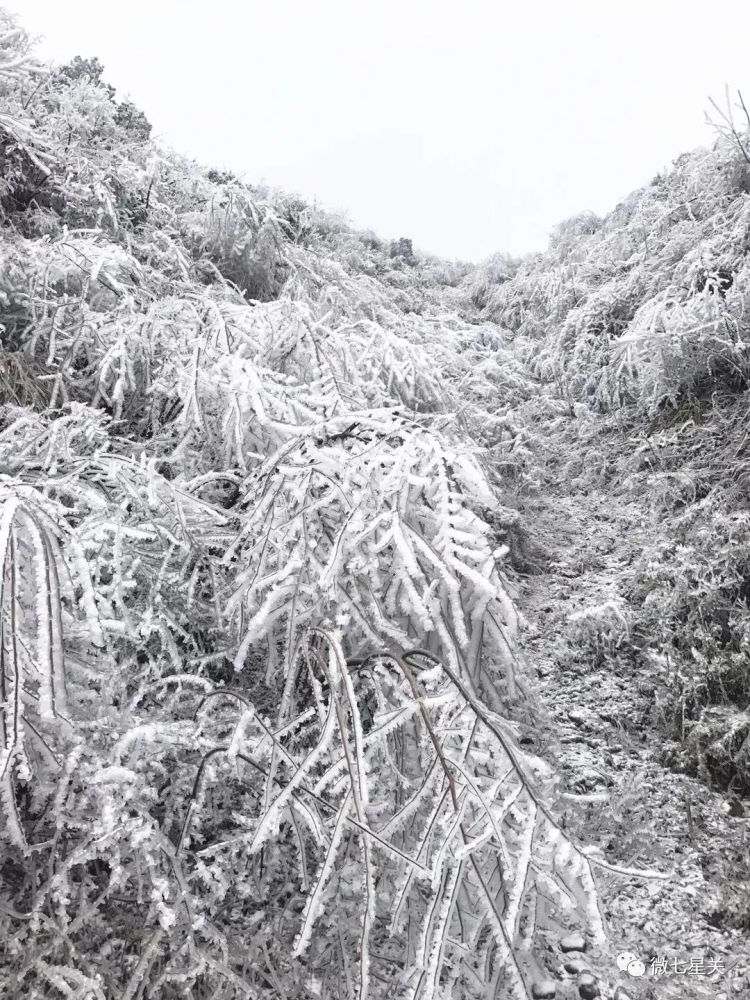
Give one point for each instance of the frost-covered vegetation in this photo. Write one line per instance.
(639, 325)
(260, 701)
(265, 495)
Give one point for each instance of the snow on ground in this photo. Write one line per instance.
(602, 734)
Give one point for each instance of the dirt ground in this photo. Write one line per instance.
(603, 735)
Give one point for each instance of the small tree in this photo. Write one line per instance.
(403, 248)
(726, 127)
(91, 70)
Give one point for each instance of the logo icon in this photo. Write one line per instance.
(630, 963)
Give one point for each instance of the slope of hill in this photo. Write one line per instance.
(279, 505)
(635, 328)
(637, 325)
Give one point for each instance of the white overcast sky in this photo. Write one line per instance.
(469, 126)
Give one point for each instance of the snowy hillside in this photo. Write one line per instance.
(330, 567)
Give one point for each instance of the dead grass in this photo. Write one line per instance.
(25, 382)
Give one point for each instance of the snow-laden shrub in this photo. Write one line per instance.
(258, 657)
(636, 325)
(601, 633)
(717, 747)
(565, 237)
(647, 305)
(693, 589)
(496, 270)
(243, 240)
(677, 350)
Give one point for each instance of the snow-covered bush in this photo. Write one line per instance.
(600, 633)
(647, 305)
(496, 270)
(638, 324)
(694, 590)
(258, 661)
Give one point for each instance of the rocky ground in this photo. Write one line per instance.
(690, 928)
